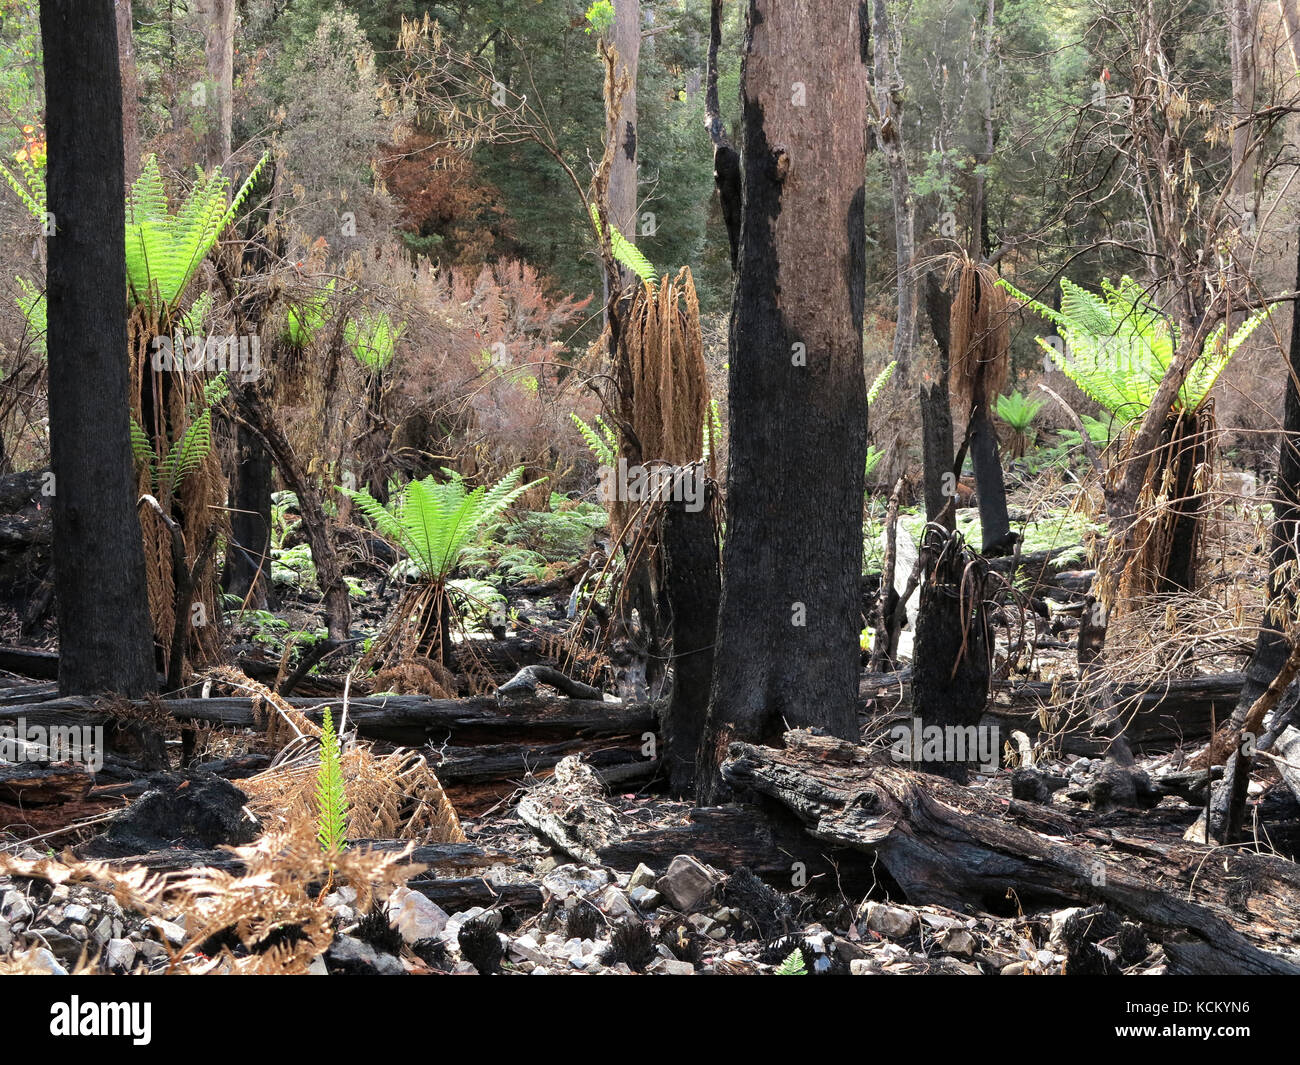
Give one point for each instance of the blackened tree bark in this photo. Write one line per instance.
(105, 637)
(1271, 645)
(787, 650)
(248, 563)
(936, 415)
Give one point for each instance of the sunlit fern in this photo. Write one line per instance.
(603, 444)
(164, 249)
(306, 317)
(625, 252)
(434, 523)
(1118, 346)
(186, 455)
(373, 339)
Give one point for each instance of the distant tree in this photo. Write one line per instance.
(105, 636)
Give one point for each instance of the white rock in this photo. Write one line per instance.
(642, 876)
(615, 903)
(119, 955)
(14, 907)
(415, 916)
(76, 912)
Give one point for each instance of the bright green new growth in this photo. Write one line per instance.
(1118, 346)
(331, 798)
(879, 383)
(625, 252)
(30, 187)
(712, 430)
(374, 340)
(434, 523)
(163, 250)
(188, 453)
(306, 318)
(604, 445)
(1018, 410)
(793, 965)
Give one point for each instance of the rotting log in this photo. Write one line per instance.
(958, 847)
(31, 784)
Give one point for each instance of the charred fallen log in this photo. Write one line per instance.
(962, 847)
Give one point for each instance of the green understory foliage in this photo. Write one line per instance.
(331, 796)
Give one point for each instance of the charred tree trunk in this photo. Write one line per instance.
(105, 635)
(936, 415)
(991, 490)
(952, 660)
(1271, 645)
(693, 587)
(788, 624)
(248, 563)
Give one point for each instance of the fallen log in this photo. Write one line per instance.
(953, 846)
(449, 858)
(30, 784)
(1162, 715)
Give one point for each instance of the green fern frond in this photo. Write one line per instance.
(142, 450)
(331, 795)
(33, 307)
(187, 454)
(625, 252)
(712, 430)
(306, 317)
(1018, 410)
(879, 383)
(373, 340)
(164, 249)
(603, 445)
(1118, 346)
(793, 965)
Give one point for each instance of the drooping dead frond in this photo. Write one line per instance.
(282, 721)
(980, 328)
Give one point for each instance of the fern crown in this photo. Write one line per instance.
(434, 523)
(1118, 346)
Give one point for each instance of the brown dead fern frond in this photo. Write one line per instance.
(282, 721)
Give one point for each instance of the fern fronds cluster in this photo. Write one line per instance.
(1118, 346)
(604, 445)
(373, 339)
(306, 317)
(434, 523)
(882, 379)
(164, 249)
(625, 252)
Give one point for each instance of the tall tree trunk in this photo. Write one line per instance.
(626, 37)
(726, 160)
(105, 636)
(248, 562)
(1242, 17)
(1271, 645)
(219, 48)
(887, 91)
(130, 89)
(787, 650)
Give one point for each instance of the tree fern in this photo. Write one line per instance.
(1118, 346)
(164, 249)
(625, 252)
(1018, 410)
(331, 795)
(434, 523)
(308, 315)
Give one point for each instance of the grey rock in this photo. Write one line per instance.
(642, 876)
(76, 912)
(14, 907)
(566, 880)
(415, 916)
(614, 902)
(119, 955)
(890, 921)
(645, 898)
(687, 883)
